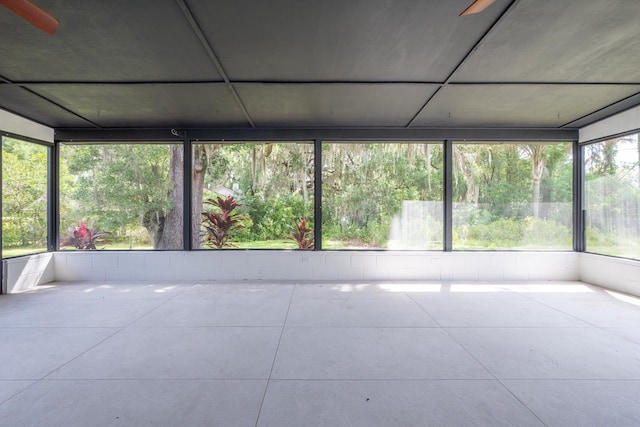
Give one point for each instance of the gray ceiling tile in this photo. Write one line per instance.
(26, 104)
(366, 62)
(104, 41)
(560, 41)
(517, 105)
(336, 40)
(149, 105)
(333, 104)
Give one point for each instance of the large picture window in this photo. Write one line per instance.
(24, 197)
(612, 196)
(253, 195)
(121, 196)
(375, 195)
(512, 196)
(382, 196)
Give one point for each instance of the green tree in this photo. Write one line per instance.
(24, 194)
(273, 182)
(121, 187)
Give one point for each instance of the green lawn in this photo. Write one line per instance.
(115, 246)
(267, 244)
(629, 251)
(11, 252)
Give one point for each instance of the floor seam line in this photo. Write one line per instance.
(275, 355)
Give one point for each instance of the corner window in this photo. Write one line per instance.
(612, 196)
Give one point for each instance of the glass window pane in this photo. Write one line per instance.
(512, 196)
(382, 196)
(612, 196)
(127, 196)
(24, 197)
(265, 188)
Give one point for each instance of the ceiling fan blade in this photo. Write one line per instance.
(477, 6)
(33, 14)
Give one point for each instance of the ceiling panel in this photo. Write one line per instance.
(336, 40)
(560, 41)
(323, 63)
(104, 41)
(333, 104)
(518, 105)
(26, 104)
(149, 105)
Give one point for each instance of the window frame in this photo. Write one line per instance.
(51, 204)
(107, 142)
(581, 211)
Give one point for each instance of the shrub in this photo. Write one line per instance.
(303, 235)
(85, 238)
(221, 224)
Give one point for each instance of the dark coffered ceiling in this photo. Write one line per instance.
(330, 63)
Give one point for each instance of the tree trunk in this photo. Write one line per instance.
(427, 158)
(537, 152)
(467, 164)
(170, 234)
(200, 160)
(165, 227)
(254, 166)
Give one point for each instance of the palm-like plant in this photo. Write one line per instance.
(85, 238)
(221, 224)
(303, 235)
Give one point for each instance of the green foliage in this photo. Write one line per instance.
(547, 234)
(365, 185)
(24, 194)
(272, 215)
(499, 234)
(612, 196)
(505, 233)
(366, 188)
(273, 181)
(117, 185)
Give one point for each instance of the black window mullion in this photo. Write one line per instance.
(317, 192)
(187, 155)
(579, 238)
(53, 198)
(448, 196)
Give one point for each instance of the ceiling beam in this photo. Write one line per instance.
(399, 134)
(468, 54)
(213, 57)
(310, 82)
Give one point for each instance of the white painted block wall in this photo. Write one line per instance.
(30, 271)
(313, 266)
(614, 273)
(27, 272)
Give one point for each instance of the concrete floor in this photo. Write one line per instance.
(254, 354)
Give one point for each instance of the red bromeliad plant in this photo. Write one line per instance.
(85, 238)
(221, 225)
(303, 235)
